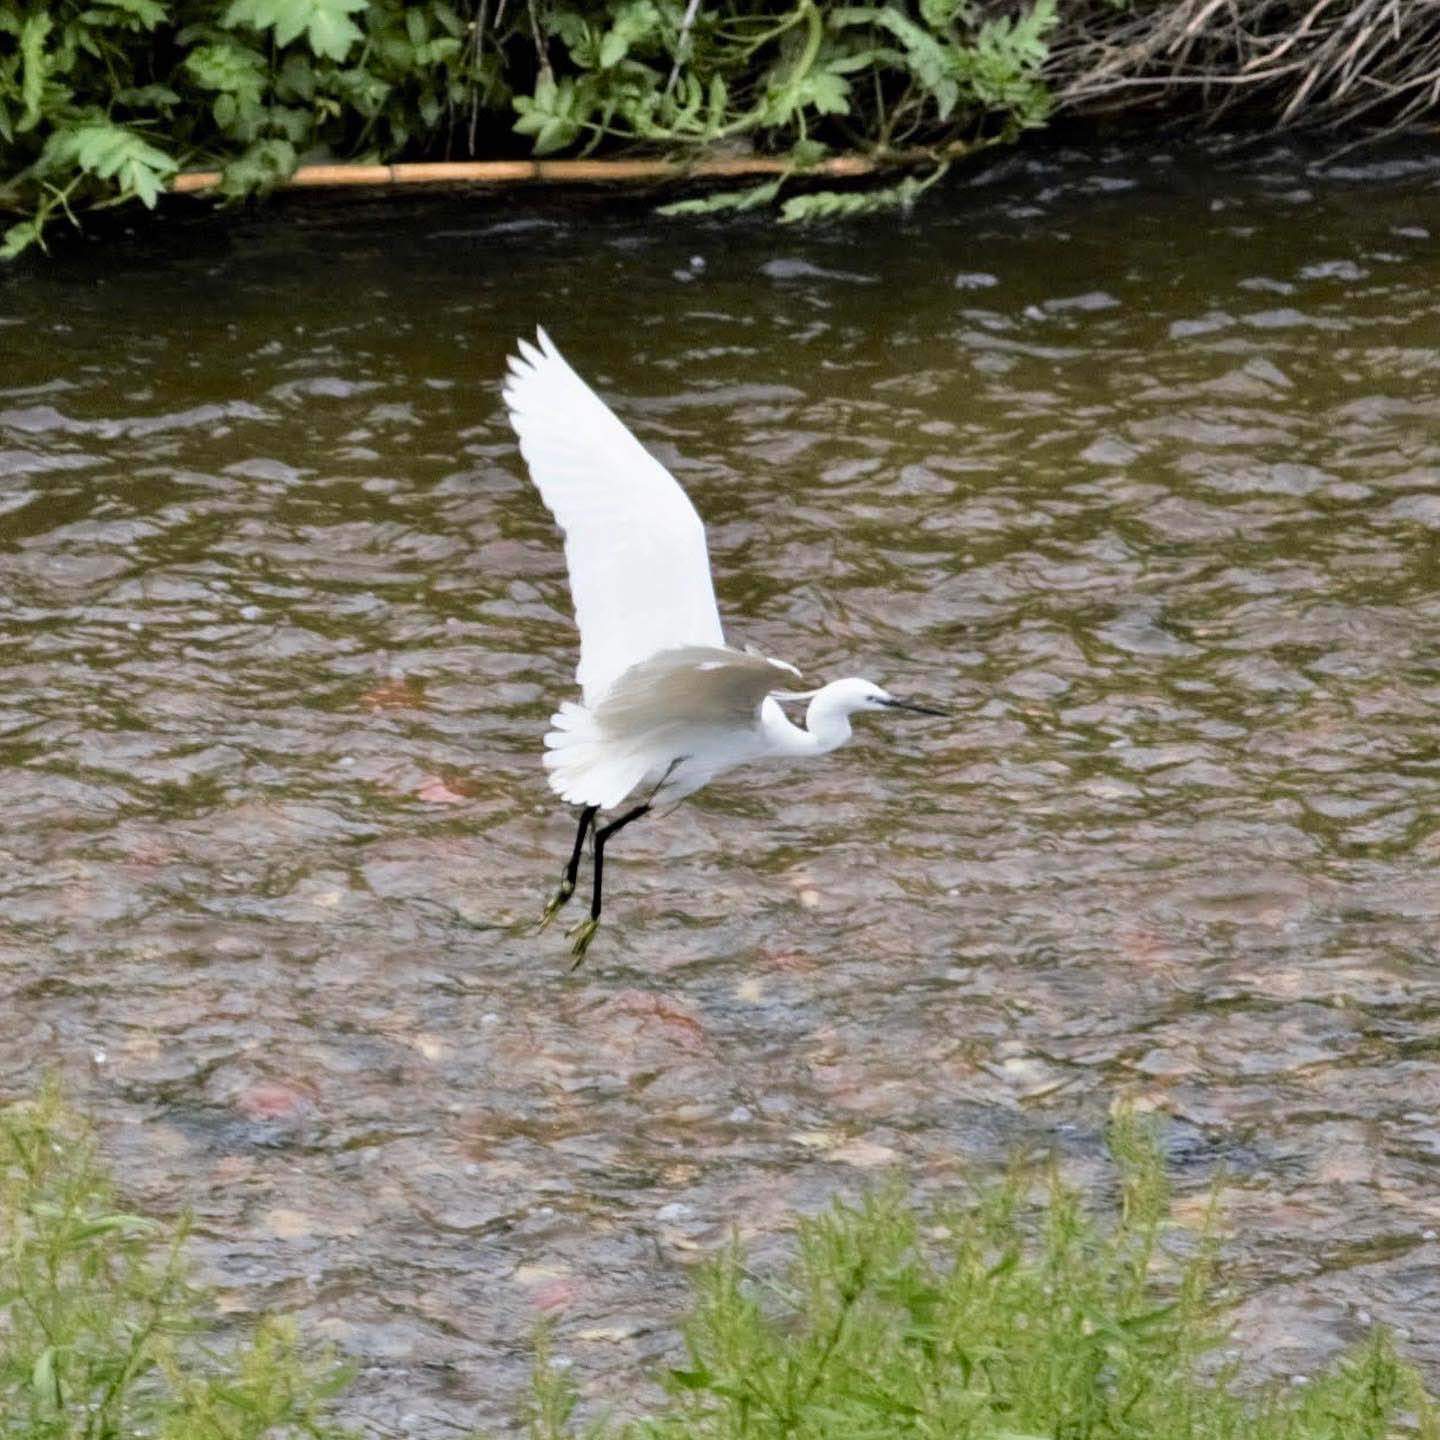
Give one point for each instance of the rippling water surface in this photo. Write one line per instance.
(1132, 463)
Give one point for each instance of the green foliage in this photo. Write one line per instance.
(111, 152)
(797, 82)
(102, 101)
(99, 1326)
(1013, 1316)
(750, 198)
(326, 24)
(845, 204)
(553, 1400)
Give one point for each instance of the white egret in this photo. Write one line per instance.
(666, 705)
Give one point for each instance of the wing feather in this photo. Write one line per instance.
(697, 685)
(634, 544)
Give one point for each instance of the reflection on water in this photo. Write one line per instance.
(1132, 464)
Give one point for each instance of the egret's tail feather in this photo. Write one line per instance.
(583, 770)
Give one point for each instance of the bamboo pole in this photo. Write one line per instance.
(501, 172)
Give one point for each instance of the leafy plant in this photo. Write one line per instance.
(99, 1326)
(832, 204)
(102, 101)
(326, 24)
(1010, 1316)
(879, 78)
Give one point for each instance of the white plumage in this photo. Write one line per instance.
(666, 704)
(639, 570)
(675, 720)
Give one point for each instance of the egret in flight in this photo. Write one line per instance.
(666, 705)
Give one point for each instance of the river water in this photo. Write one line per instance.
(1131, 461)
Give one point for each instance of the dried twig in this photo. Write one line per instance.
(563, 172)
(1317, 63)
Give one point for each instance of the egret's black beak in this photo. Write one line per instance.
(917, 709)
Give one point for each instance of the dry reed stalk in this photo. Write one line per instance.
(1323, 64)
(562, 172)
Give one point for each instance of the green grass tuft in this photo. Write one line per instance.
(1012, 1315)
(100, 1329)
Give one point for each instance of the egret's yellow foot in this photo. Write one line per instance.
(566, 890)
(582, 934)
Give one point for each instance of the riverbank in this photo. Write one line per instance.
(1361, 66)
(120, 103)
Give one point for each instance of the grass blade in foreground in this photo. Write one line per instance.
(1010, 1316)
(99, 1325)
(1014, 1316)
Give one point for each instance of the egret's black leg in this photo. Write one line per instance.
(601, 836)
(572, 870)
(584, 933)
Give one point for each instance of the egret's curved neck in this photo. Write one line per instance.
(827, 726)
(827, 718)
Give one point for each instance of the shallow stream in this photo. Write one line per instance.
(1133, 461)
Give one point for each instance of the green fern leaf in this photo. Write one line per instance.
(19, 238)
(724, 200)
(111, 152)
(325, 23)
(824, 91)
(934, 63)
(635, 21)
(35, 67)
(842, 204)
(263, 165)
(553, 114)
(145, 14)
(937, 14)
(228, 67)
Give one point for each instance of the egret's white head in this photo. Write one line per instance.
(849, 696)
(855, 694)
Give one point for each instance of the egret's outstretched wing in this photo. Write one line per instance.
(635, 548)
(673, 707)
(696, 686)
